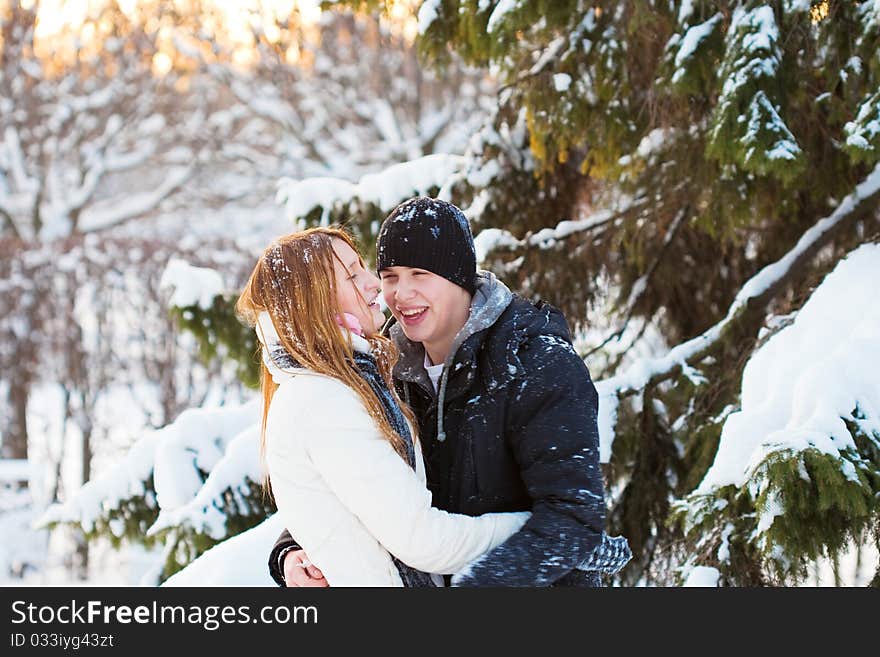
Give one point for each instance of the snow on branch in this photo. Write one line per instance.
(489, 239)
(97, 497)
(385, 189)
(15, 157)
(99, 218)
(194, 444)
(690, 43)
(237, 561)
(427, 14)
(502, 9)
(759, 289)
(268, 105)
(639, 287)
(174, 457)
(798, 386)
(207, 512)
(863, 133)
(190, 285)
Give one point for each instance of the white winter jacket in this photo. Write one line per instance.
(349, 499)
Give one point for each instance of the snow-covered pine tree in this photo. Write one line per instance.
(697, 168)
(352, 101)
(78, 123)
(712, 136)
(648, 160)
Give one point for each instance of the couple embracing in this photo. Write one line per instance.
(458, 446)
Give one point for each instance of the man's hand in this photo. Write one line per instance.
(299, 571)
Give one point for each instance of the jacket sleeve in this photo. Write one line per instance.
(285, 540)
(553, 432)
(375, 484)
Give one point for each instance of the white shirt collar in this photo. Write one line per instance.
(429, 364)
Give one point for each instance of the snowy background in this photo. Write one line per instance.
(147, 156)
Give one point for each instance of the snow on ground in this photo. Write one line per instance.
(38, 557)
(238, 561)
(125, 415)
(23, 556)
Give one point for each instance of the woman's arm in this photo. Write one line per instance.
(374, 483)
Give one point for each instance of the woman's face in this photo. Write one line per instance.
(357, 289)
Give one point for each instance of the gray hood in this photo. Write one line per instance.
(490, 300)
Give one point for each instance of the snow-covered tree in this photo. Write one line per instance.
(91, 139)
(350, 99)
(110, 346)
(70, 129)
(668, 158)
(338, 96)
(704, 172)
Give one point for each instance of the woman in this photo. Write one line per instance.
(343, 462)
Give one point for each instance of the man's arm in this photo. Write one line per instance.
(554, 435)
(284, 545)
(290, 566)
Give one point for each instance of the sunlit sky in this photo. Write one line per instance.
(237, 18)
(56, 14)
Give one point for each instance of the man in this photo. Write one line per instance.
(506, 409)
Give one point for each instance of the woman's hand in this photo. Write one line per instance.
(299, 571)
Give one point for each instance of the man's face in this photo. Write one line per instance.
(430, 308)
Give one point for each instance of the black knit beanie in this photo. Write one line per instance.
(429, 234)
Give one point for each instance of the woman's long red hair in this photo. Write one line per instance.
(294, 282)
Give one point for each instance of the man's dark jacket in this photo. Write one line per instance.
(519, 432)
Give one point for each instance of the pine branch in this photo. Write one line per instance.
(547, 56)
(757, 293)
(639, 287)
(565, 229)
